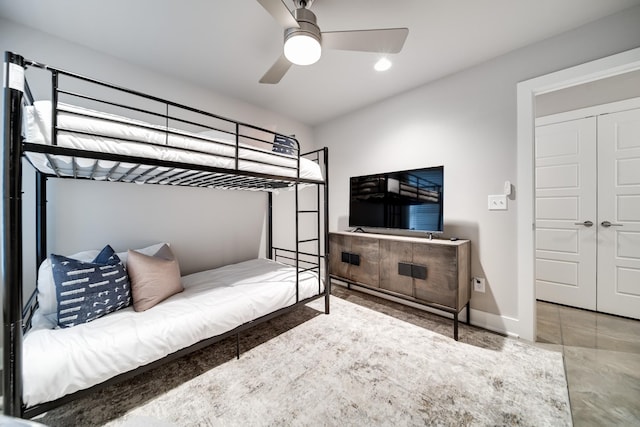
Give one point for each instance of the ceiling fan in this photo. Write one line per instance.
(303, 40)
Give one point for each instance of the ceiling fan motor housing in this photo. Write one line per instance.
(307, 21)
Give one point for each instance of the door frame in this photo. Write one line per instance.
(526, 91)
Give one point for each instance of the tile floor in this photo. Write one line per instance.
(602, 362)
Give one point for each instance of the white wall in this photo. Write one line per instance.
(207, 228)
(466, 122)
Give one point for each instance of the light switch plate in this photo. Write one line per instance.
(498, 202)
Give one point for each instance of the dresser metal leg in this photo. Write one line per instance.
(455, 326)
(238, 346)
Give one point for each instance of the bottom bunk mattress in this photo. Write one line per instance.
(58, 362)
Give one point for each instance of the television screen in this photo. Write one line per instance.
(405, 200)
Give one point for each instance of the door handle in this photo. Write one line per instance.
(608, 224)
(586, 223)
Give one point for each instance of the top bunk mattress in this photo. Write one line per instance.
(85, 129)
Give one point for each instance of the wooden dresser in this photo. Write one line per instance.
(435, 273)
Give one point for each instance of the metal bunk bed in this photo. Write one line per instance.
(54, 160)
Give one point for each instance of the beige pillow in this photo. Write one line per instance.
(153, 278)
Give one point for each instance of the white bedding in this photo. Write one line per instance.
(61, 361)
(111, 137)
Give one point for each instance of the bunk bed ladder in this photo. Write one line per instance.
(310, 252)
(300, 243)
(310, 259)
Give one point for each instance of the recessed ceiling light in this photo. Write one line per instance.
(383, 64)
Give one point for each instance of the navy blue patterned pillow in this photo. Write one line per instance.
(106, 256)
(284, 145)
(88, 290)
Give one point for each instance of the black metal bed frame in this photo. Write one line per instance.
(17, 316)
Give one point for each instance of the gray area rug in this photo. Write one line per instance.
(356, 366)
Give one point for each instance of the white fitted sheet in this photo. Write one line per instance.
(108, 136)
(57, 362)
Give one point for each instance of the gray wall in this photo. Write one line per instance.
(466, 122)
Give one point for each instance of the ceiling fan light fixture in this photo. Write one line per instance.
(302, 48)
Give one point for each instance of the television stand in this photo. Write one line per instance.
(358, 230)
(433, 273)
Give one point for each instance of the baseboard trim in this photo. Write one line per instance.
(496, 323)
(492, 322)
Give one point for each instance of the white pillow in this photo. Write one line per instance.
(46, 316)
(30, 127)
(42, 118)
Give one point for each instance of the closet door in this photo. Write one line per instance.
(619, 213)
(565, 155)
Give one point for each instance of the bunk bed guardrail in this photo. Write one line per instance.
(155, 125)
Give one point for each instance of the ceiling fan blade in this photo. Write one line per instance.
(388, 40)
(277, 71)
(280, 13)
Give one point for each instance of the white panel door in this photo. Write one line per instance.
(565, 155)
(619, 213)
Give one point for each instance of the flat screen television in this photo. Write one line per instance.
(402, 200)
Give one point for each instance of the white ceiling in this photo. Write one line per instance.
(227, 45)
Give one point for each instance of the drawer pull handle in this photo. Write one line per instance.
(412, 270)
(349, 258)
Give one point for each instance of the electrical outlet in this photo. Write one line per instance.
(478, 284)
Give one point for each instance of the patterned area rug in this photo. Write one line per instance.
(356, 366)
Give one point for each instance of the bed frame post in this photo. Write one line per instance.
(297, 211)
(41, 217)
(12, 236)
(327, 278)
(270, 226)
